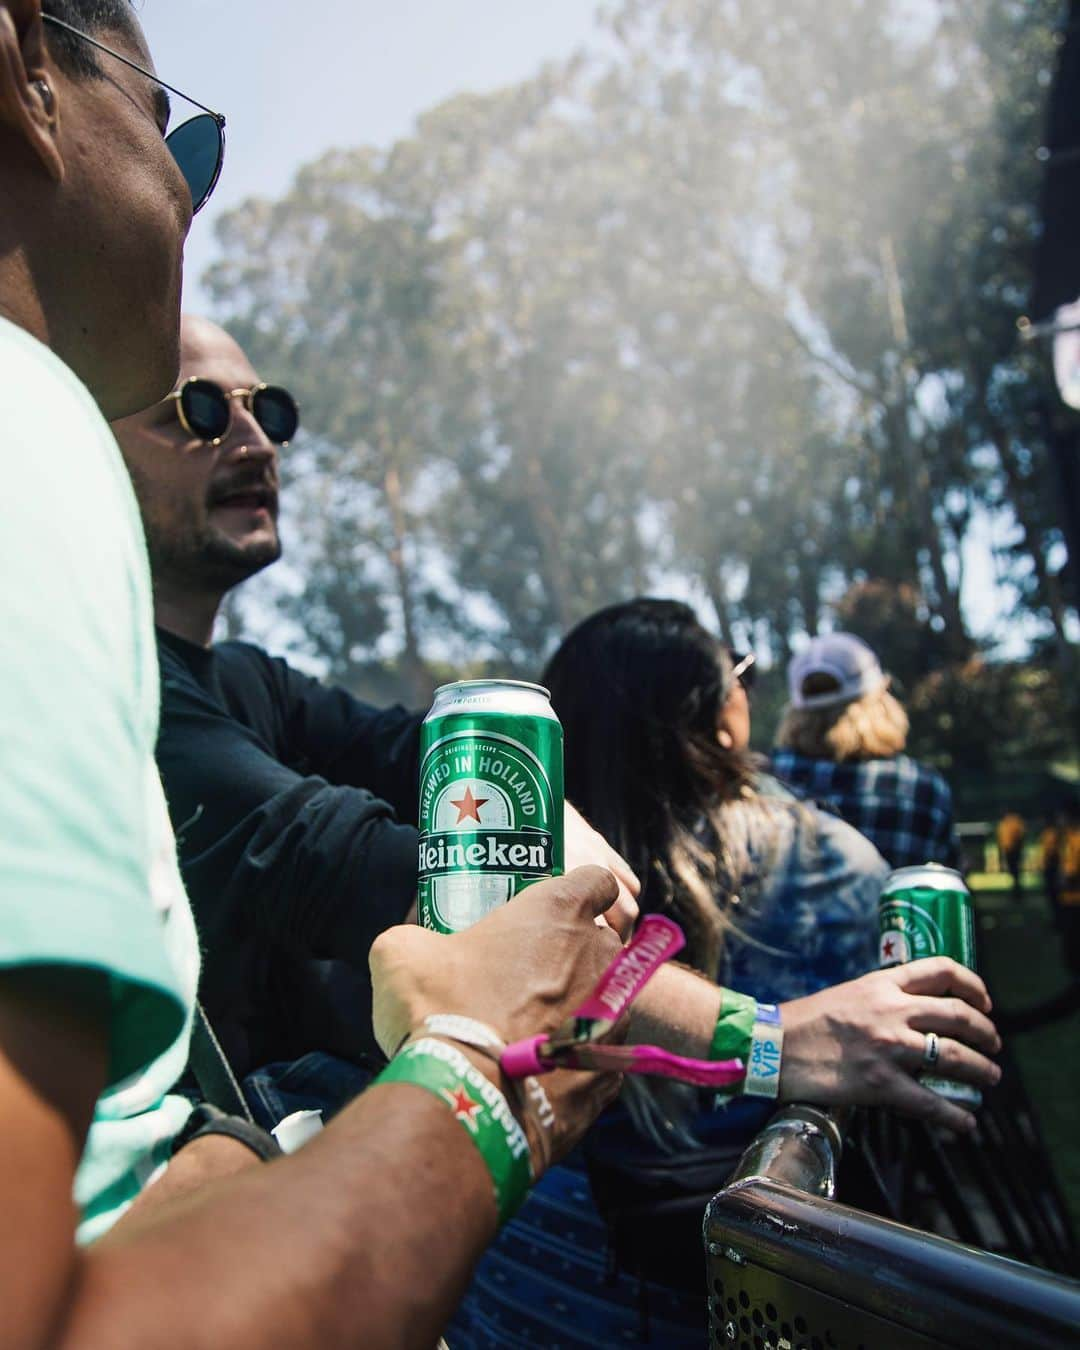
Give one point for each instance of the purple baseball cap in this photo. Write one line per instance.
(844, 657)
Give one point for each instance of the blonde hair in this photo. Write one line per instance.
(872, 727)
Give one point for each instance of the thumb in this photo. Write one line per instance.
(589, 890)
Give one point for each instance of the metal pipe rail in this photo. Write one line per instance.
(789, 1268)
(800, 1146)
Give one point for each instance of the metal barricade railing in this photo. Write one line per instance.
(790, 1268)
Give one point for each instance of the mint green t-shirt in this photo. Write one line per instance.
(88, 874)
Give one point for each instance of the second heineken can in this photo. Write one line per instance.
(926, 911)
(491, 799)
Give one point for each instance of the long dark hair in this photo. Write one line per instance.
(639, 688)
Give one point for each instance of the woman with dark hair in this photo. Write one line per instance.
(776, 897)
(777, 900)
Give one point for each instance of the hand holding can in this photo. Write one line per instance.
(926, 911)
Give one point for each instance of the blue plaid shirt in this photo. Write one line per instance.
(903, 807)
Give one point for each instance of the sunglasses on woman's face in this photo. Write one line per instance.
(198, 145)
(204, 410)
(744, 669)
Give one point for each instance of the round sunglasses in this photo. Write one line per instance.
(204, 409)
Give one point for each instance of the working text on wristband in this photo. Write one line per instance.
(480, 1108)
(582, 1042)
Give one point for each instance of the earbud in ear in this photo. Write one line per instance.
(46, 94)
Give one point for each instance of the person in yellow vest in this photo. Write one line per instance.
(1070, 886)
(1010, 841)
(1050, 842)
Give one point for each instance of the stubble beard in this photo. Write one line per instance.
(204, 560)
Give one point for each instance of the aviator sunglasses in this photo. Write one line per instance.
(198, 145)
(204, 409)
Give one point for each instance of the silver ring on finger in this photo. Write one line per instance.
(931, 1050)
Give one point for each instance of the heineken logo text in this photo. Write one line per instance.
(485, 851)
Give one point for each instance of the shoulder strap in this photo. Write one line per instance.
(212, 1071)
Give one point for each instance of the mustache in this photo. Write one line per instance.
(257, 481)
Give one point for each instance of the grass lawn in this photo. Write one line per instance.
(1020, 958)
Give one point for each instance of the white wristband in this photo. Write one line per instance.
(766, 1050)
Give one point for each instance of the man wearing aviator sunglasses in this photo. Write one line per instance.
(98, 954)
(197, 145)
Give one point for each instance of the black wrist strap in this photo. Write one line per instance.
(206, 1119)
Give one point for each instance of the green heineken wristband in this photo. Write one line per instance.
(480, 1108)
(734, 1028)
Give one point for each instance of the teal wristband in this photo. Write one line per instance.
(734, 1028)
(479, 1107)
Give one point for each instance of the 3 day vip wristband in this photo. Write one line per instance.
(579, 1042)
(480, 1108)
(766, 1050)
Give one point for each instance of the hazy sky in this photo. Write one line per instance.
(295, 79)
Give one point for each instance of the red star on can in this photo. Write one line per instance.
(468, 806)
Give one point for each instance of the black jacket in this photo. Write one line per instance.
(294, 806)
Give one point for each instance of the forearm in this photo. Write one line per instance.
(203, 1163)
(367, 1236)
(677, 1010)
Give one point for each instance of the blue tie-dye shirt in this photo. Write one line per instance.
(805, 916)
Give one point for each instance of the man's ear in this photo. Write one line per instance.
(29, 102)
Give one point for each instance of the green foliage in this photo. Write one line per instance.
(893, 620)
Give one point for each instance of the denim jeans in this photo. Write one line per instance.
(315, 1082)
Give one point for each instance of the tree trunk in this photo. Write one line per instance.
(547, 531)
(414, 668)
(920, 500)
(1050, 590)
(809, 592)
(716, 585)
(920, 505)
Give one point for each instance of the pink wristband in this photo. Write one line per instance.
(580, 1044)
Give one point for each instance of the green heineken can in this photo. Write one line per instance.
(491, 799)
(926, 911)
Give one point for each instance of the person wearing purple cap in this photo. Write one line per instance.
(841, 741)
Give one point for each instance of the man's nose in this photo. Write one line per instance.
(246, 440)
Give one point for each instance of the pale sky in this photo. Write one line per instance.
(295, 79)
